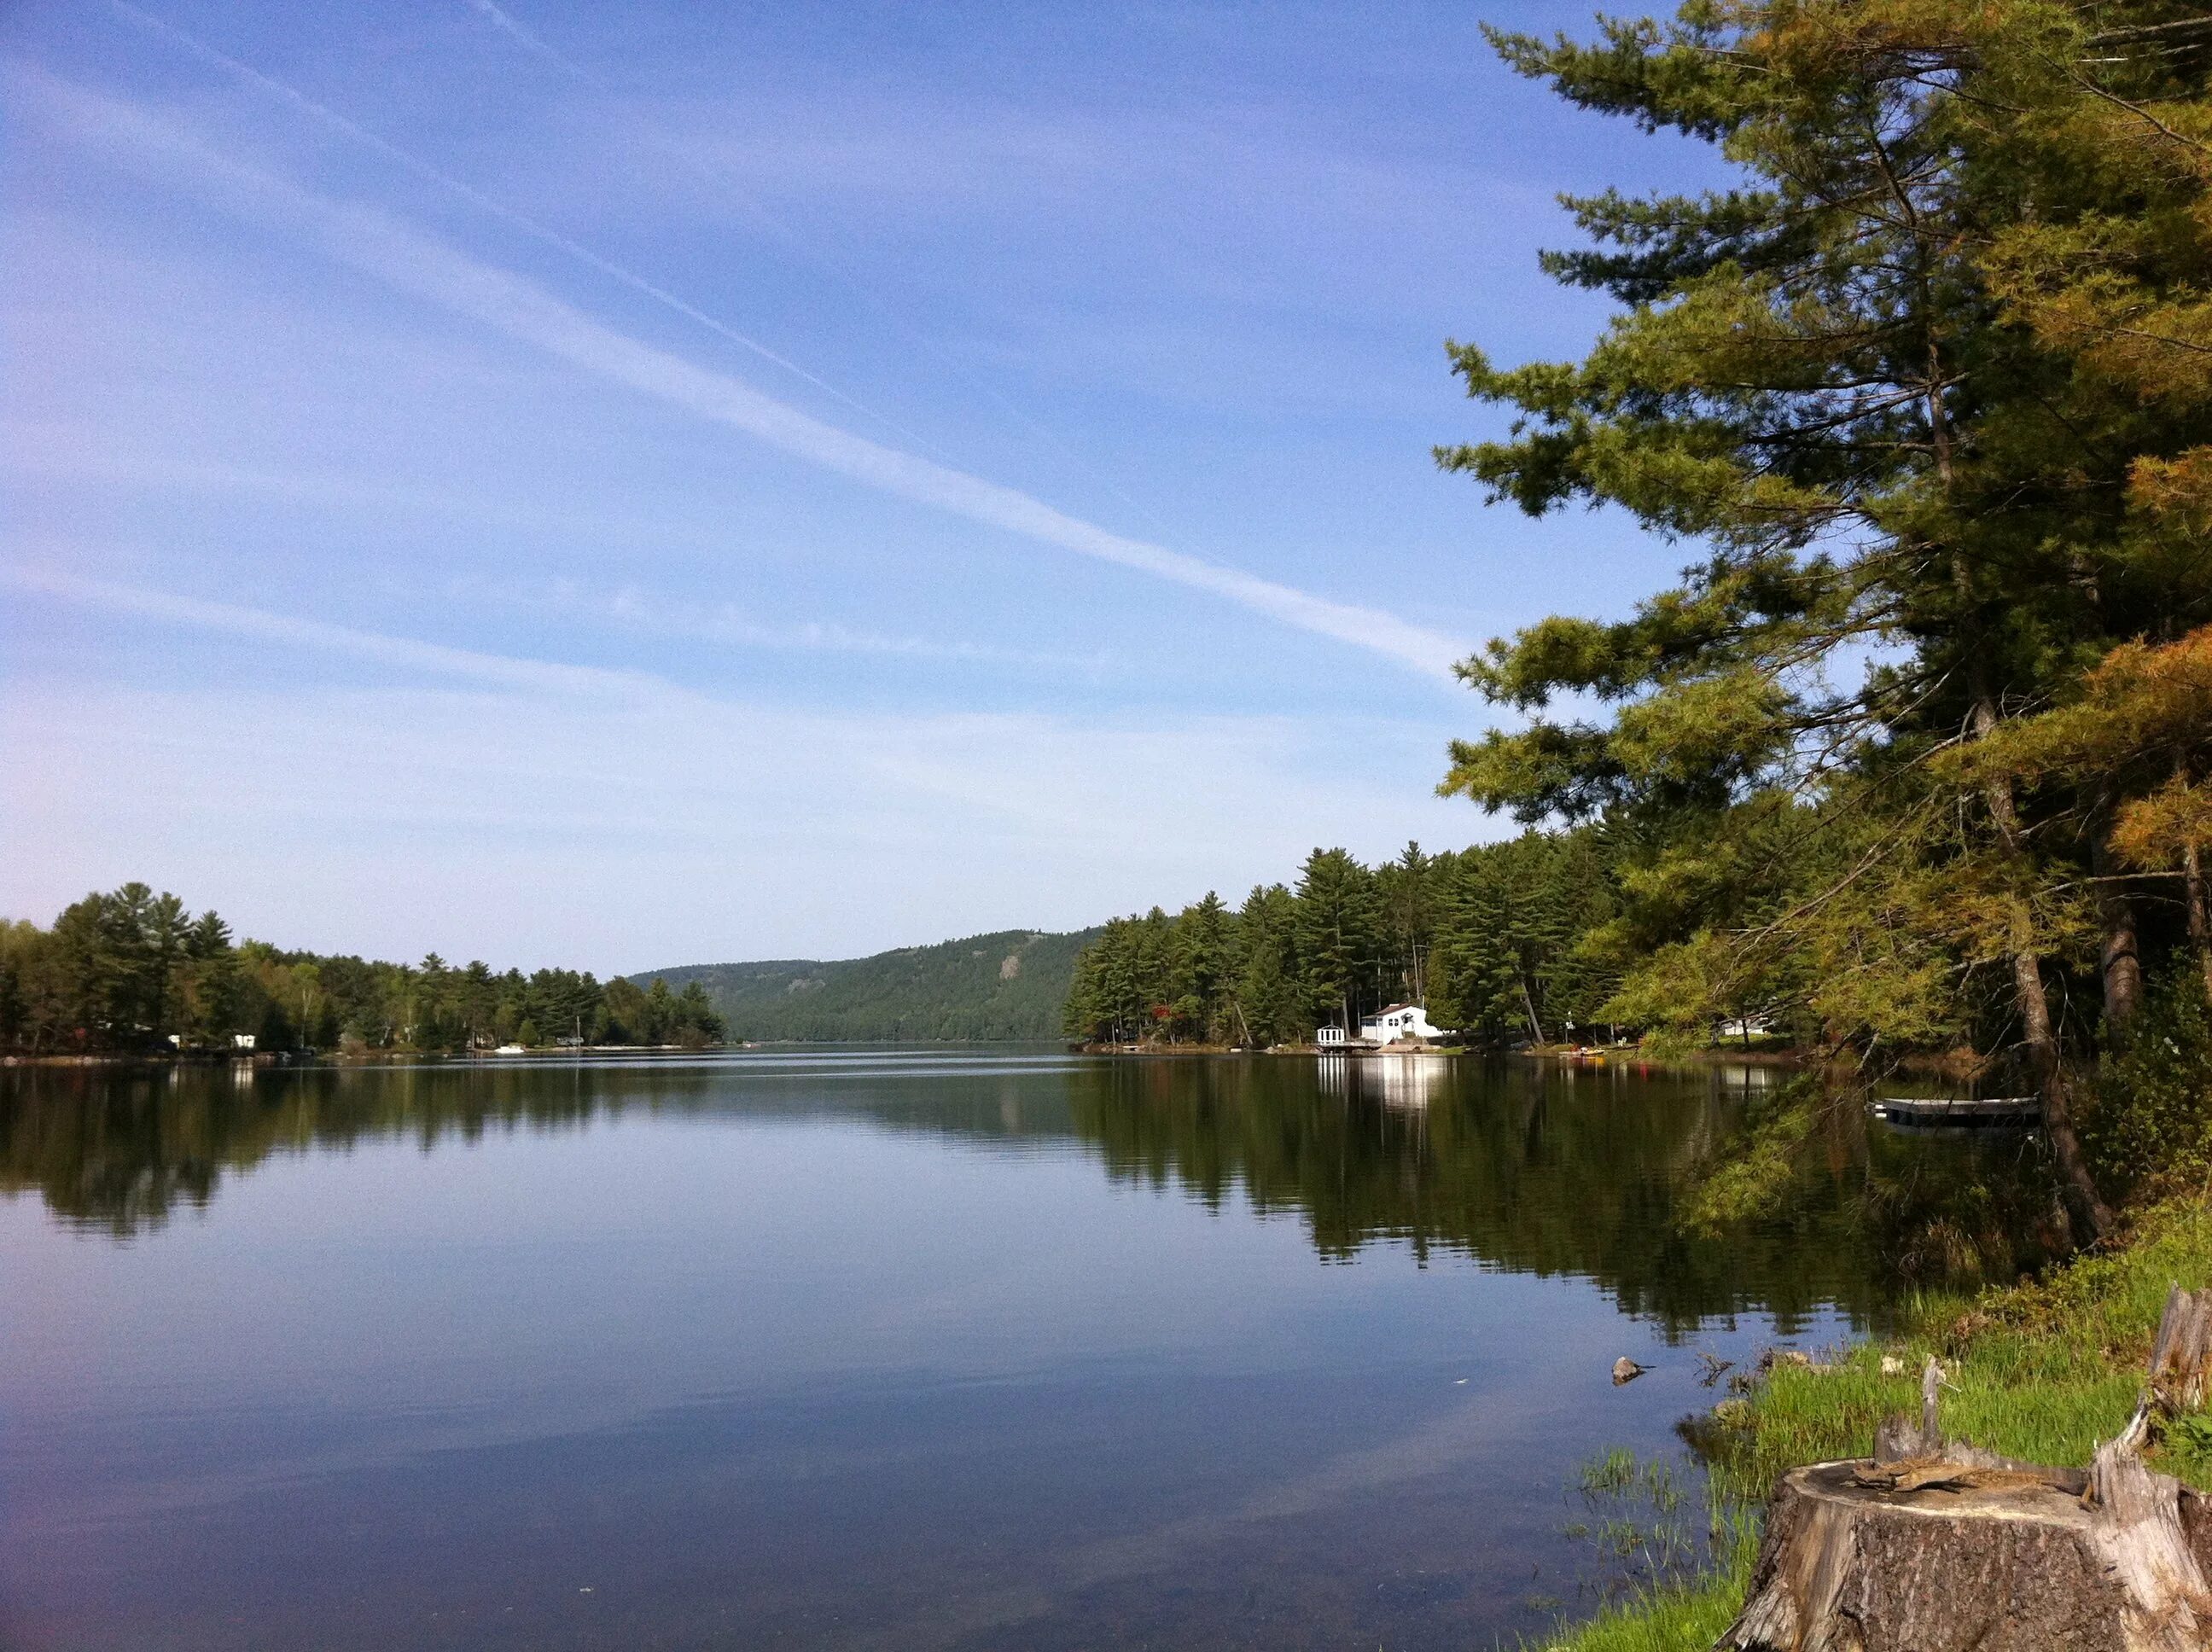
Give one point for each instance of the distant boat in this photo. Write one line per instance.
(511, 1049)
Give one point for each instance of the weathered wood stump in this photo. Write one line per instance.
(1936, 1546)
(2181, 1358)
(1950, 1559)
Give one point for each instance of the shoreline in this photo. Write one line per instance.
(1590, 1054)
(313, 1058)
(2043, 1370)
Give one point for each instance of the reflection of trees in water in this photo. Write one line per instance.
(123, 1148)
(1537, 1168)
(1526, 1167)
(1532, 1169)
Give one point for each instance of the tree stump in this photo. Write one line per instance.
(2181, 1358)
(1936, 1546)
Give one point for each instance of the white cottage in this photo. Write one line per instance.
(1398, 1021)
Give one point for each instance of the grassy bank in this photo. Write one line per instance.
(2042, 1371)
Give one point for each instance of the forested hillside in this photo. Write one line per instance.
(1007, 984)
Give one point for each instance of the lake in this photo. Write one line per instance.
(954, 1348)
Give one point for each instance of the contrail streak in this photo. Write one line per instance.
(718, 176)
(438, 274)
(332, 119)
(262, 626)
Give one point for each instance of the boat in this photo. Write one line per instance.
(511, 1049)
(1957, 1111)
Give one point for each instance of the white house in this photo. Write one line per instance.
(1398, 1021)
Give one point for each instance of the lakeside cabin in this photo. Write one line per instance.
(1397, 1022)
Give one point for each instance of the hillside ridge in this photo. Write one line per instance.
(1001, 985)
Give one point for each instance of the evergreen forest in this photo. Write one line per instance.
(1507, 943)
(1914, 757)
(130, 970)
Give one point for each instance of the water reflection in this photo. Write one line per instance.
(831, 1349)
(1529, 1167)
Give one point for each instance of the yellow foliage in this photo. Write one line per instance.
(2154, 832)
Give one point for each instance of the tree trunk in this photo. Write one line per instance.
(2038, 1034)
(1955, 1549)
(1528, 1003)
(2042, 1045)
(2200, 912)
(1943, 1558)
(2120, 961)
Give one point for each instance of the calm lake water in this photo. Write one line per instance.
(906, 1350)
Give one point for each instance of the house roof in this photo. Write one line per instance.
(1391, 1009)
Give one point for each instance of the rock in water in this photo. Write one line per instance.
(1626, 1369)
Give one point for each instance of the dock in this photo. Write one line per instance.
(1958, 1112)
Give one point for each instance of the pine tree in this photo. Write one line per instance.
(1338, 930)
(1267, 1004)
(1929, 379)
(1203, 954)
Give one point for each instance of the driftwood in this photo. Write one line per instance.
(1936, 1546)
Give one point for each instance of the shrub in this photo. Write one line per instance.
(2150, 1130)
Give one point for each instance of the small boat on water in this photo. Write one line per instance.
(511, 1049)
(1957, 1111)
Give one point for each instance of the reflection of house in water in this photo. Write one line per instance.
(1748, 1075)
(1405, 1080)
(1402, 1079)
(1395, 1080)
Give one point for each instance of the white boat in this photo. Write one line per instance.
(511, 1049)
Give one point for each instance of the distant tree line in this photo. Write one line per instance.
(131, 969)
(1505, 942)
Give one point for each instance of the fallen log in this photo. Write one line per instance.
(1934, 1545)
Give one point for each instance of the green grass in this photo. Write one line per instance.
(2042, 1371)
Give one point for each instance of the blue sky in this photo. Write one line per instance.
(631, 484)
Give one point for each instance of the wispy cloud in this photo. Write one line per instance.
(73, 453)
(722, 181)
(438, 274)
(259, 625)
(638, 608)
(322, 115)
(446, 802)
